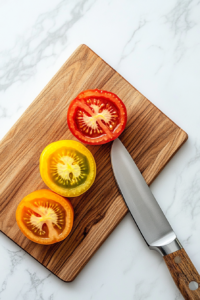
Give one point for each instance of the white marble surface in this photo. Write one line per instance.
(155, 45)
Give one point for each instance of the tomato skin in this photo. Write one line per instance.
(108, 136)
(78, 149)
(48, 196)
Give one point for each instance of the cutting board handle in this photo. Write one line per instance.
(184, 274)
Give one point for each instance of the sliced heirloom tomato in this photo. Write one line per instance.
(67, 167)
(45, 217)
(96, 117)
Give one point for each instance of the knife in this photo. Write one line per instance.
(152, 222)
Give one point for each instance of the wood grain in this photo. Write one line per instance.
(183, 272)
(150, 137)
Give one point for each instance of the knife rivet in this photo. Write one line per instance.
(193, 285)
(177, 259)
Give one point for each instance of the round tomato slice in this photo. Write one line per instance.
(68, 168)
(96, 117)
(45, 217)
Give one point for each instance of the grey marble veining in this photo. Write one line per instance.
(39, 43)
(156, 47)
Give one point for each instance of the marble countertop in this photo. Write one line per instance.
(156, 46)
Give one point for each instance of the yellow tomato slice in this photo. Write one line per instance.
(45, 217)
(68, 168)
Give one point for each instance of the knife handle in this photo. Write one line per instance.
(184, 274)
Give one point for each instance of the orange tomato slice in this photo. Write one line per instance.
(45, 217)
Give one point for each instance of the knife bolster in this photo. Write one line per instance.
(172, 247)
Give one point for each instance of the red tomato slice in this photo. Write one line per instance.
(96, 117)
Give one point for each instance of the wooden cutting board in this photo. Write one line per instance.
(150, 137)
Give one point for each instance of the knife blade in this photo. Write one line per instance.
(152, 222)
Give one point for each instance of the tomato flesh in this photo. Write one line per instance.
(68, 167)
(45, 217)
(101, 110)
(96, 117)
(40, 212)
